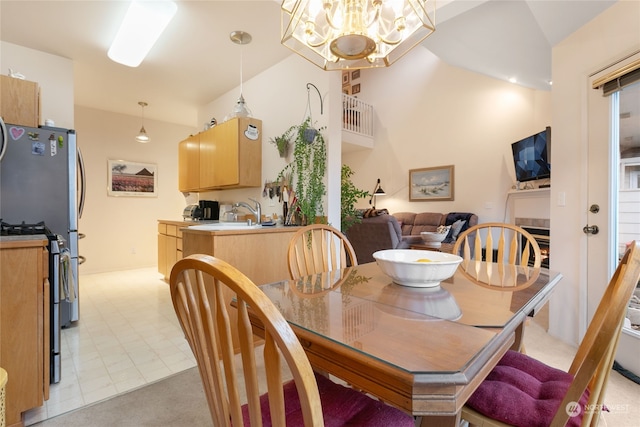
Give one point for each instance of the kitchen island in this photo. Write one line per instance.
(258, 252)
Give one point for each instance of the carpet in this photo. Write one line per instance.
(178, 400)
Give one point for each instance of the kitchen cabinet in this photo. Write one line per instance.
(189, 164)
(227, 156)
(169, 245)
(24, 323)
(19, 101)
(259, 253)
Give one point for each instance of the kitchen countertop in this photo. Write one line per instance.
(8, 242)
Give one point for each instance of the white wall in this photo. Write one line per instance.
(430, 114)
(121, 232)
(53, 74)
(609, 37)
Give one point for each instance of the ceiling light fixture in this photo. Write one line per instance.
(142, 136)
(139, 30)
(344, 34)
(240, 109)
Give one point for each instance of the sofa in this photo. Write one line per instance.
(380, 230)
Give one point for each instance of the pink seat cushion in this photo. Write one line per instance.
(524, 392)
(341, 406)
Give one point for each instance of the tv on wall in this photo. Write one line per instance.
(531, 156)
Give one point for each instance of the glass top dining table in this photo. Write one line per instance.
(423, 350)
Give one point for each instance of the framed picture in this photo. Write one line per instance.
(355, 89)
(346, 90)
(355, 74)
(135, 179)
(345, 78)
(431, 184)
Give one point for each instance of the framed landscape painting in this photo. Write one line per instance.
(135, 179)
(431, 184)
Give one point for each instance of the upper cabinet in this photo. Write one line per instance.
(19, 101)
(226, 156)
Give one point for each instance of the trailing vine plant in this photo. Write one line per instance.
(308, 169)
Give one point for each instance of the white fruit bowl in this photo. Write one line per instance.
(404, 267)
(433, 239)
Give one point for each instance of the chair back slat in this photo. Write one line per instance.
(318, 248)
(200, 285)
(512, 245)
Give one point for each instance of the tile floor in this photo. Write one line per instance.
(127, 336)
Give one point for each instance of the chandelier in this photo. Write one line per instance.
(342, 34)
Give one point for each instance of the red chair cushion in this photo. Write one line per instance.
(524, 392)
(341, 406)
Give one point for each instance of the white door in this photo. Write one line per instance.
(607, 133)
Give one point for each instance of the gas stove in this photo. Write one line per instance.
(7, 229)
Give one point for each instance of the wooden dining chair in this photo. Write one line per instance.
(198, 284)
(513, 245)
(318, 248)
(521, 391)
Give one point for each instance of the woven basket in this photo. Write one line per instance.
(3, 383)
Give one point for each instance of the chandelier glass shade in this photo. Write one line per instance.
(343, 34)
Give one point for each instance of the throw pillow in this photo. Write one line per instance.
(455, 230)
(375, 212)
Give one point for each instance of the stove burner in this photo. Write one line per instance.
(23, 229)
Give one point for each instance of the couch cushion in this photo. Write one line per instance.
(426, 221)
(406, 219)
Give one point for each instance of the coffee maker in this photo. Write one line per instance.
(209, 209)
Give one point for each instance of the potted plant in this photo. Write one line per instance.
(307, 171)
(349, 195)
(282, 142)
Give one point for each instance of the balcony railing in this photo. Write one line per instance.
(357, 116)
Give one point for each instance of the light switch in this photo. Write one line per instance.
(562, 198)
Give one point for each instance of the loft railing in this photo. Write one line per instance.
(357, 116)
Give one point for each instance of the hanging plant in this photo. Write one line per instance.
(282, 142)
(307, 169)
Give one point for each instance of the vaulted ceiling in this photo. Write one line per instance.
(194, 61)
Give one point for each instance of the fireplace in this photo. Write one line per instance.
(541, 235)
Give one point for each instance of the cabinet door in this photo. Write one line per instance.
(19, 101)
(21, 334)
(189, 164)
(219, 156)
(228, 158)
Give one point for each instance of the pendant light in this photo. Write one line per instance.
(240, 109)
(142, 136)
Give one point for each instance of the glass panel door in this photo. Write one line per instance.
(629, 182)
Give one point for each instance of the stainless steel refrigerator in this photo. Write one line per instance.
(42, 179)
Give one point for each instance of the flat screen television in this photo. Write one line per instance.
(531, 156)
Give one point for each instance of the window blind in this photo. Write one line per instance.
(619, 78)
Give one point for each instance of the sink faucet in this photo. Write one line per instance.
(257, 211)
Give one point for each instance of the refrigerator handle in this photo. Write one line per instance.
(4, 139)
(83, 183)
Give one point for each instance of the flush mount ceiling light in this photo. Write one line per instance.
(141, 27)
(142, 136)
(240, 109)
(344, 34)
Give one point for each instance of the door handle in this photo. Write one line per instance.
(590, 229)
